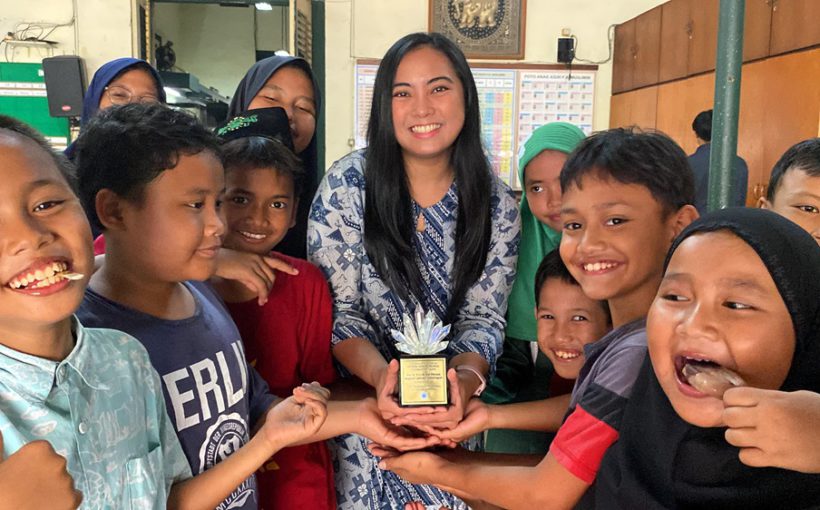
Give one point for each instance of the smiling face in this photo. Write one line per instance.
(173, 233)
(614, 239)
(798, 198)
(290, 88)
(44, 235)
(542, 184)
(567, 320)
(134, 86)
(427, 106)
(259, 209)
(717, 303)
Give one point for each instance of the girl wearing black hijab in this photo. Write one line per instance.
(287, 82)
(740, 292)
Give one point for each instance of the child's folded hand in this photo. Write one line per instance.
(774, 428)
(255, 272)
(375, 428)
(35, 477)
(295, 418)
(311, 391)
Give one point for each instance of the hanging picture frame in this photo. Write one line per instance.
(483, 29)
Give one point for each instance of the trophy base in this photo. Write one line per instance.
(423, 381)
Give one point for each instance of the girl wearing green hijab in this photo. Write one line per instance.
(523, 373)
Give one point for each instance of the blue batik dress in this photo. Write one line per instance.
(363, 306)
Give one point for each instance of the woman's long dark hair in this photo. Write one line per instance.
(388, 215)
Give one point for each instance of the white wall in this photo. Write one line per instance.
(104, 27)
(215, 43)
(367, 28)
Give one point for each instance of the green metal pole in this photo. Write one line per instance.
(727, 103)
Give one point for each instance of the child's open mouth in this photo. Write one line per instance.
(705, 377)
(43, 276)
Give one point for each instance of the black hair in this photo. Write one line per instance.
(22, 129)
(803, 156)
(252, 152)
(389, 233)
(552, 266)
(631, 156)
(702, 125)
(124, 148)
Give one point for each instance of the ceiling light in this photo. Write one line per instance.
(264, 6)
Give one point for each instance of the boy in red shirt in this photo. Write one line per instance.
(287, 339)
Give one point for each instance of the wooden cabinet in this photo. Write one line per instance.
(623, 63)
(703, 15)
(676, 30)
(647, 48)
(795, 25)
(634, 108)
(757, 26)
(678, 104)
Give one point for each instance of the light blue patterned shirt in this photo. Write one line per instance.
(102, 409)
(363, 305)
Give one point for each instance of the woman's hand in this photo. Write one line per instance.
(443, 417)
(387, 391)
(255, 272)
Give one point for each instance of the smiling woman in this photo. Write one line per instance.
(416, 220)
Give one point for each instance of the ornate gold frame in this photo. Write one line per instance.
(483, 29)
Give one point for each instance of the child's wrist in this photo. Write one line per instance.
(492, 417)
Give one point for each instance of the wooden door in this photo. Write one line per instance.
(623, 64)
(678, 104)
(647, 48)
(795, 25)
(703, 44)
(757, 29)
(675, 34)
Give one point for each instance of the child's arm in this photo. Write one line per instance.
(287, 422)
(547, 485)
(35, 477)
(774, 428)
(255, 272)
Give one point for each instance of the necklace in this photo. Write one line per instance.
(420, 224)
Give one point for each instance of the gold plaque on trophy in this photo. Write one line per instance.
(422, 370)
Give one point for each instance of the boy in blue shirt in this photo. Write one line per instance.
(90, 393)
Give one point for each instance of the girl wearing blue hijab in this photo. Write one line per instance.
(287, 82)
(121, 81)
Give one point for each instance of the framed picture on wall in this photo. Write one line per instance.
(483, 29)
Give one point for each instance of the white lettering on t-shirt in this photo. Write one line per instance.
(240, 360)
(208, 378)
(178, 399)
(210, 386)
(233, 397)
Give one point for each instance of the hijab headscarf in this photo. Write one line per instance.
(105, 75)
(537, 239)
(295, 242)
(661, 461)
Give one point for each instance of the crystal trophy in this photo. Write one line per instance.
(422, 370)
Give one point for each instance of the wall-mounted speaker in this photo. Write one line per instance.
(65, 85)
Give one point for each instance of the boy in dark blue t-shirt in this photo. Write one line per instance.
(152, 179)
